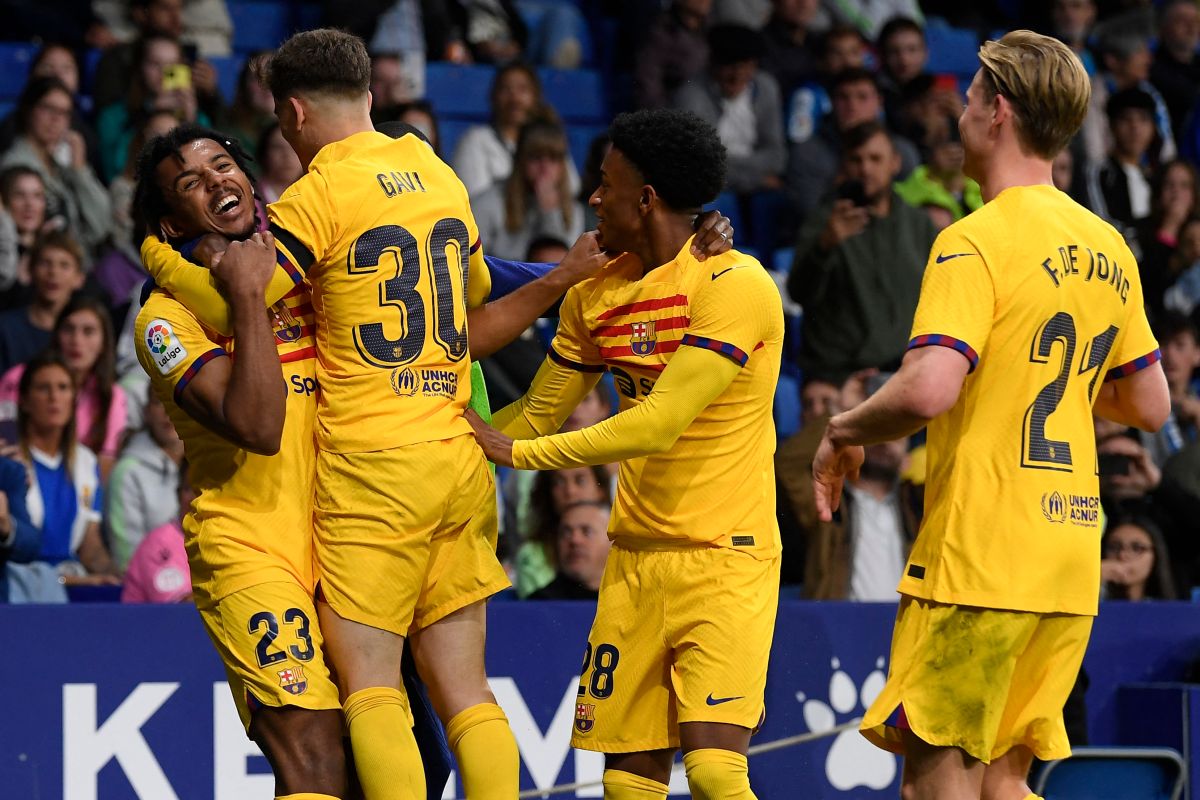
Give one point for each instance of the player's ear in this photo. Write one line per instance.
(370, 100)
(298, 111)
(646, 201)
(169, 229)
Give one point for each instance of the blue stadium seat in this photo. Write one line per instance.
(781, 259)
(786, 410)
(7, 107)
(576, 94)
(259, 24)
(1114, 773)
(459, 91)
(579, 139)
(450, 131)
(951, 50)
(228, 68)
(15, 59)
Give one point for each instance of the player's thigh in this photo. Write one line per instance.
(625, 702)
(374, 516)
(449, 657)
(721, 606)
(1042, 678)
(952, 668)
(653, 764)
(462, 567)
(271, 643)
(714, 736)
(363, 656)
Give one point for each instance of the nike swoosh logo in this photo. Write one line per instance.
(716, 701)
(942, 258)
(716, 275)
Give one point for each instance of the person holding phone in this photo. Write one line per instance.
(860, 257)
(48, 145)
(162, 80)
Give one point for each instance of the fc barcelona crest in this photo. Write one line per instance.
(641, 338)
(287, 328)
(292, 680)
(585, 717)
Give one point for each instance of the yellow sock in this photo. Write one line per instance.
(718, 775)
(486, 752)
(1033, 797)
(306, 796)
(385, 752)
(620, 785)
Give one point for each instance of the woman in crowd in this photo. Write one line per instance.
(63, 498)
(1135, 564)
(484, 155)
(24, 196)
(278, 166)
(83, 340)
(56, 60)
(253, 108)
(536, 200)
(46, 144)
(1174, 201)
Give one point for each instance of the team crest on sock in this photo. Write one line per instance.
(292, 680)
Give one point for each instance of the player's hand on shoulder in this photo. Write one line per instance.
(246, 268)
(496, 446)
(714, 235)
(831, 466)
(584, 259)
(210, 249)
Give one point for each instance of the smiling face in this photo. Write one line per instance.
(207, 192)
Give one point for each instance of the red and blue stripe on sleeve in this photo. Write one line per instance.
(1130, 367)
(194, 369)
(941, 340)
(734, 354)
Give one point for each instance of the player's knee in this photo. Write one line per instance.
(714, 774)
(304, 748)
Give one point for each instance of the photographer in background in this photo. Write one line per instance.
(859, 262)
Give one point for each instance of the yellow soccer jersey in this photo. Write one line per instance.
(716, 484)
(252, 520)
(1044, 299)
(383, 231)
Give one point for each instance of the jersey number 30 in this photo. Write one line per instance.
(1038, 452)
(401, 290)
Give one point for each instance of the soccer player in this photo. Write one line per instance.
(695, 350)
(1030, 320)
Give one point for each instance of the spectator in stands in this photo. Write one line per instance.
(120, 268)
(813, 164)
(839, 49)
(581, 547)
(748, 13)
(492, 29)
(484, 155)
(56, 273)
(46, 143)
(1179, 340)
(396, 77)
(1126, 60)
(1176, 69)
(57, 61)
(136, 502)
(674, 51)
(928, 113)
(155, 83)
(1135, 564)
(1183, 295)
(10, 252)
(20, 540)
(742, 102)
(788, 49)
(859, 261)
(204, 25)
(23, 193)
(83, 339)
(940, 184)
(1072, 21)
(1119, 188)
(820, 397)
(253, 107)
(869, 16)
(903, 54)
(419, 114)
(552, 492)
(1128, 472)
(278, 166)
(1063, 172)
(64, 496)
(1174, 199)
(536, 200)
(158, 571)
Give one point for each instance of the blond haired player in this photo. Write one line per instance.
(677, 655)
(1030, 320)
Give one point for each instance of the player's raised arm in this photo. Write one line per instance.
(240, 399)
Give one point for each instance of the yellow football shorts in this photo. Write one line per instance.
(980, 679)
(682, 634)
(270, 642)
(406, 536)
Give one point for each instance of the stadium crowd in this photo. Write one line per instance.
(840, 121)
